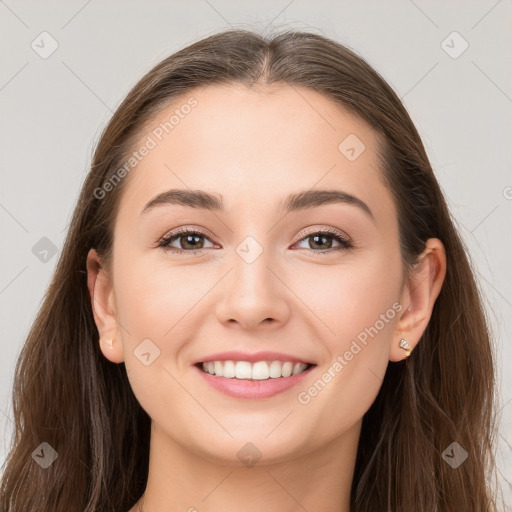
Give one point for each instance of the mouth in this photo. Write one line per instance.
(256, 375)
(259, 370)
(258, 379)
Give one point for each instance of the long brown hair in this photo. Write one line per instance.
(70, 396)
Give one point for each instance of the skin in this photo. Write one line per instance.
(255, 147)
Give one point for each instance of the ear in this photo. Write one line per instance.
(418, 297)
(102, 298)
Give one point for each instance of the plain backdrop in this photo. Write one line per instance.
(53, 108)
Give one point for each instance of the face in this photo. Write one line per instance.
(259, 281)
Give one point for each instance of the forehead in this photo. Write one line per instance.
(255, 144)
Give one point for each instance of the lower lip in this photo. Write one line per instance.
(245, 388)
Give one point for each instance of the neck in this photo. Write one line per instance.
(181, 480)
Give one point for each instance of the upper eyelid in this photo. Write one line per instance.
(326, 231)
(185, 231)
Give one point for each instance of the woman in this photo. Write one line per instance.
(262, 304)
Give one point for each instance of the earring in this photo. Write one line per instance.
(109, 343)
(403, 344)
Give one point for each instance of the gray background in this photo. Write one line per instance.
(53, 110)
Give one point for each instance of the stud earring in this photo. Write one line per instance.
(404, 345)
(109, 343)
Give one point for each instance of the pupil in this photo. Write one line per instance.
(317, 237)
(190, 237)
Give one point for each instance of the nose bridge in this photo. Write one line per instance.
(251, 275)
(254, 293)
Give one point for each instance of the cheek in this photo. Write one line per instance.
(152, 301)
(152, 295)
(360, 306)
(349, 298)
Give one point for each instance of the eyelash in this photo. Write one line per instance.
(166, 240)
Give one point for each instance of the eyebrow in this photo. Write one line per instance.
(294, 202)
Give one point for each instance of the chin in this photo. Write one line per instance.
(252, 449)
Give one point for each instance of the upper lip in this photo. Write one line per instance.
(252, 358)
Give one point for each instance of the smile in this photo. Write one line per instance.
(260, 370)
(263, 377)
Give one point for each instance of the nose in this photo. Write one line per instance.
(254, 296)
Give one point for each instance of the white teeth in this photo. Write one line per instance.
(297, 368)
(261, 370)
(286, 370)
(275, 369)
(243, 370)
(229, 370)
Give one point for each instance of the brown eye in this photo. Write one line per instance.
(322, 241)
(188, 241)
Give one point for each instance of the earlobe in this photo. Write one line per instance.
(103, 306)
(420, 292)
